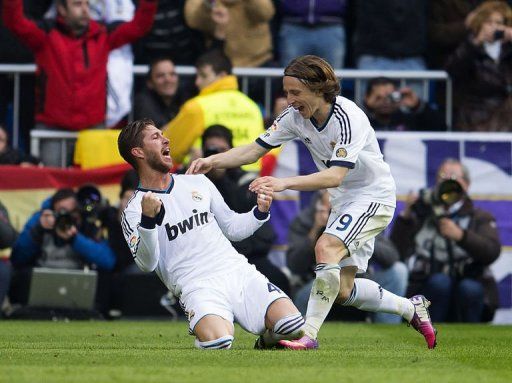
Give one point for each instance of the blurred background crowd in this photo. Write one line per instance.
(86, 83)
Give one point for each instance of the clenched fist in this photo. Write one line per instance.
(151, 205)
(264, 200)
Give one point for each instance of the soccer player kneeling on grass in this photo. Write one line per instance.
(180, 227)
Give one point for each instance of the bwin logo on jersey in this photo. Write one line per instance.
(186, 225)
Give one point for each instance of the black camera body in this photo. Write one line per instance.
(93, 208)
(210, 151)
(498, 35)
(64, 220)
(435, 201)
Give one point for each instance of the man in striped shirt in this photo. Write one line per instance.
(362, 191)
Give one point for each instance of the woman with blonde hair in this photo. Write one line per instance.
(481, 69)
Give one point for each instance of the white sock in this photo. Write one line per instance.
(323, 294)
(370, 296)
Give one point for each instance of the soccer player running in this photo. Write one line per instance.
(180, 227)
(362, 191)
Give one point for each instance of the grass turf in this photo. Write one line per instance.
(148, 351)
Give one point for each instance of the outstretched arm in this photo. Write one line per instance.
(233, 158)
(238, 226)
(140, 25)
(328, 178)
(25, 29)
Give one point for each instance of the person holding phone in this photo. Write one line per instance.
(481, 68)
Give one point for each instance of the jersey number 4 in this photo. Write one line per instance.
(272, 287)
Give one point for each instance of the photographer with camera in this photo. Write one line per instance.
(481, 69)
(61, 235)
(64, 234)
(448, 244)
(397, 109)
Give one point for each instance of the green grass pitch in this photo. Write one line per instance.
(148, 351)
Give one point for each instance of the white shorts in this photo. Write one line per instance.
(357, 224)
(242, 295)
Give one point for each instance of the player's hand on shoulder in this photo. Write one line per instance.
(200, 166)
(264, 200)
(151, 205)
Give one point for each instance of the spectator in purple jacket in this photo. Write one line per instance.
(313, 27)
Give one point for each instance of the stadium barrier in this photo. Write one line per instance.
(358, 77)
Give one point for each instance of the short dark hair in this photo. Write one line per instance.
(64, 3)
(155, 61)
(62, 194)
(219, 131)
(317, 74)
(131, 137)
(378, 81)
(217, 59)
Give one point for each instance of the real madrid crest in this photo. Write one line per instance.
(133, 241)
(196, 196)
(341, 152)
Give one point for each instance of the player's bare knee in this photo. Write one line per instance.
(329, 249)
(212, 327)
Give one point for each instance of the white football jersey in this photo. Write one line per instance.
(346, 139)
(192, 242)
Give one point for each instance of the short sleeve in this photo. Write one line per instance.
(354, 129)
(280, 132)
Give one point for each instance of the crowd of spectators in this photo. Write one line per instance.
(85, 50)
(84, 76)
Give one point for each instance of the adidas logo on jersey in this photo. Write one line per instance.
(182, 227)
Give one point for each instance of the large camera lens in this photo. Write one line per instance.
(64, 220)
(449, 192)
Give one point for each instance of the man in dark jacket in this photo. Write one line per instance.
(159, 100)
(170, 37)
(71, 54)
(394, 109)
(449, 244)
(390, 34)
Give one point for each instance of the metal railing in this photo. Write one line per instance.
(244, 74)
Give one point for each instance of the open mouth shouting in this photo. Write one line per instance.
(166, 152)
